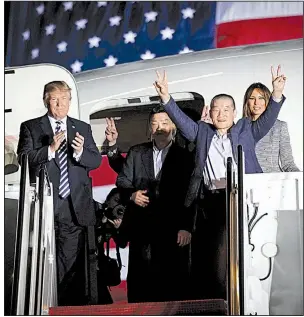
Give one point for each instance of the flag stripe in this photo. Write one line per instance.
(103, 175)
(259, 31)
(236, 11)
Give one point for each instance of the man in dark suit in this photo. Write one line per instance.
(154, 185)
(66, 148)
(214, 144)
(115, 157)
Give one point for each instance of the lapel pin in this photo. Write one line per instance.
(73, 126)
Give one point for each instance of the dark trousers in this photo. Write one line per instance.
(70, 255)
(158, 271)
(209, 248)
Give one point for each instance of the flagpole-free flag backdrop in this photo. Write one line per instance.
(87, 35)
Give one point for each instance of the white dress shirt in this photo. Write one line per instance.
(51, 155)
(159, 157)
(220, 149)
(216, 164)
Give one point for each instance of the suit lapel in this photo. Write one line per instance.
(210, 134)
(71, 133)
(233, 136)
(47, 129)
(71, 130)
(234, 141)
(49, 134)
(171, 155)
(147, 158)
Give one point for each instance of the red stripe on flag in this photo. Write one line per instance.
(103, 175)
(119, 293)
(112, 244)
(255, 31)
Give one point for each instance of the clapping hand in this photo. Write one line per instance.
(77, 143)
(278, 82)
(161, 86)
(57, 140)
(111, 132)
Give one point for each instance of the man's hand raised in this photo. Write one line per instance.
(206, 115)
(161, 86)
(278, 82)
(111, 132)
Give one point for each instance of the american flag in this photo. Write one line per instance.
(87, 35)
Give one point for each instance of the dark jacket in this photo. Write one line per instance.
(155, 260)
(138, 174)
(245, 132)
(35, 137)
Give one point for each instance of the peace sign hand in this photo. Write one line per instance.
(111, 132)
(206, 115)
(278, 82)
(161, 86)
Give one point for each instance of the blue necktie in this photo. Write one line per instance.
(64, 188)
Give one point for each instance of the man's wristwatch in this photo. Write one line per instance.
(112, 151)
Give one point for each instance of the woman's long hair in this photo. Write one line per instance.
(263, 90)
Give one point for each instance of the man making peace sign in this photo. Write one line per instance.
(214, 144)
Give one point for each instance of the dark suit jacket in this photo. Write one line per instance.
(166, 202)
(245, 132)
(35, 137)
(157, 266)
(116, 161)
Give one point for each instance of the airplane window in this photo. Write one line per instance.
(132, 122)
